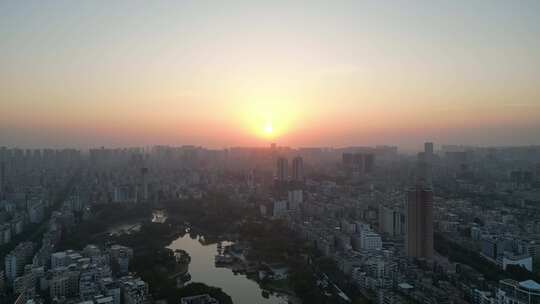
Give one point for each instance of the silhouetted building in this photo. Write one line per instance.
(369, 163)
(2, 178)
(423, 169)
(144, 175)
(428, 148)
(358, 164)
(298, 169)
(347, 159)
(282, 169)
(391, 221)
(419, 210)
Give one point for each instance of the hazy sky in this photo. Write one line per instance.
(218, 73)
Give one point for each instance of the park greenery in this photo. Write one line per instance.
(270, 241)
(459, 254)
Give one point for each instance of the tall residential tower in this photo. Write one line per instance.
(282, 169)
(419, 209)
(298, 169)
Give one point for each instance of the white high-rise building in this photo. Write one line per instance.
(370, 240)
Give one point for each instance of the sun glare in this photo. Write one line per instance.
(266, 119)
(268, 129)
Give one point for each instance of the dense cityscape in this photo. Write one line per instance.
(269, 152)
(452, 224)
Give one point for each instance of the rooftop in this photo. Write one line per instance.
(530, 285)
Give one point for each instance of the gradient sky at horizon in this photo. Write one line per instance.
(215, 73)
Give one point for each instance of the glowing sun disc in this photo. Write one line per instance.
(268, 129)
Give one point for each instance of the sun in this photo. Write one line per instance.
(268, 129)
(266, 120)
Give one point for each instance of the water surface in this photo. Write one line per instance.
(202, 269)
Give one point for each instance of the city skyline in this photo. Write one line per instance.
(269, 152)
(246, 74)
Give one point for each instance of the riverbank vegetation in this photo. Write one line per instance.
(215, 217)
(194, 289)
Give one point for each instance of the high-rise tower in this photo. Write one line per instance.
(298, 169)
(419, 210)
(282, 169)
(144, 175)
(2, 178)
(428, 148)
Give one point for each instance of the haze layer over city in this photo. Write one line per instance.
(217, 74)
(269, 152)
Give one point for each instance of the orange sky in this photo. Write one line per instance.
(320, 74)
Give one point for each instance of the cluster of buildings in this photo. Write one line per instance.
(18, 213)
(383, 237)
(29, 181)
(375, 212)
(36, 274)
(91, 276)
(39, 202)
(358, 164)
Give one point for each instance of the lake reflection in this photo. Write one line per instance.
(202, 269)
